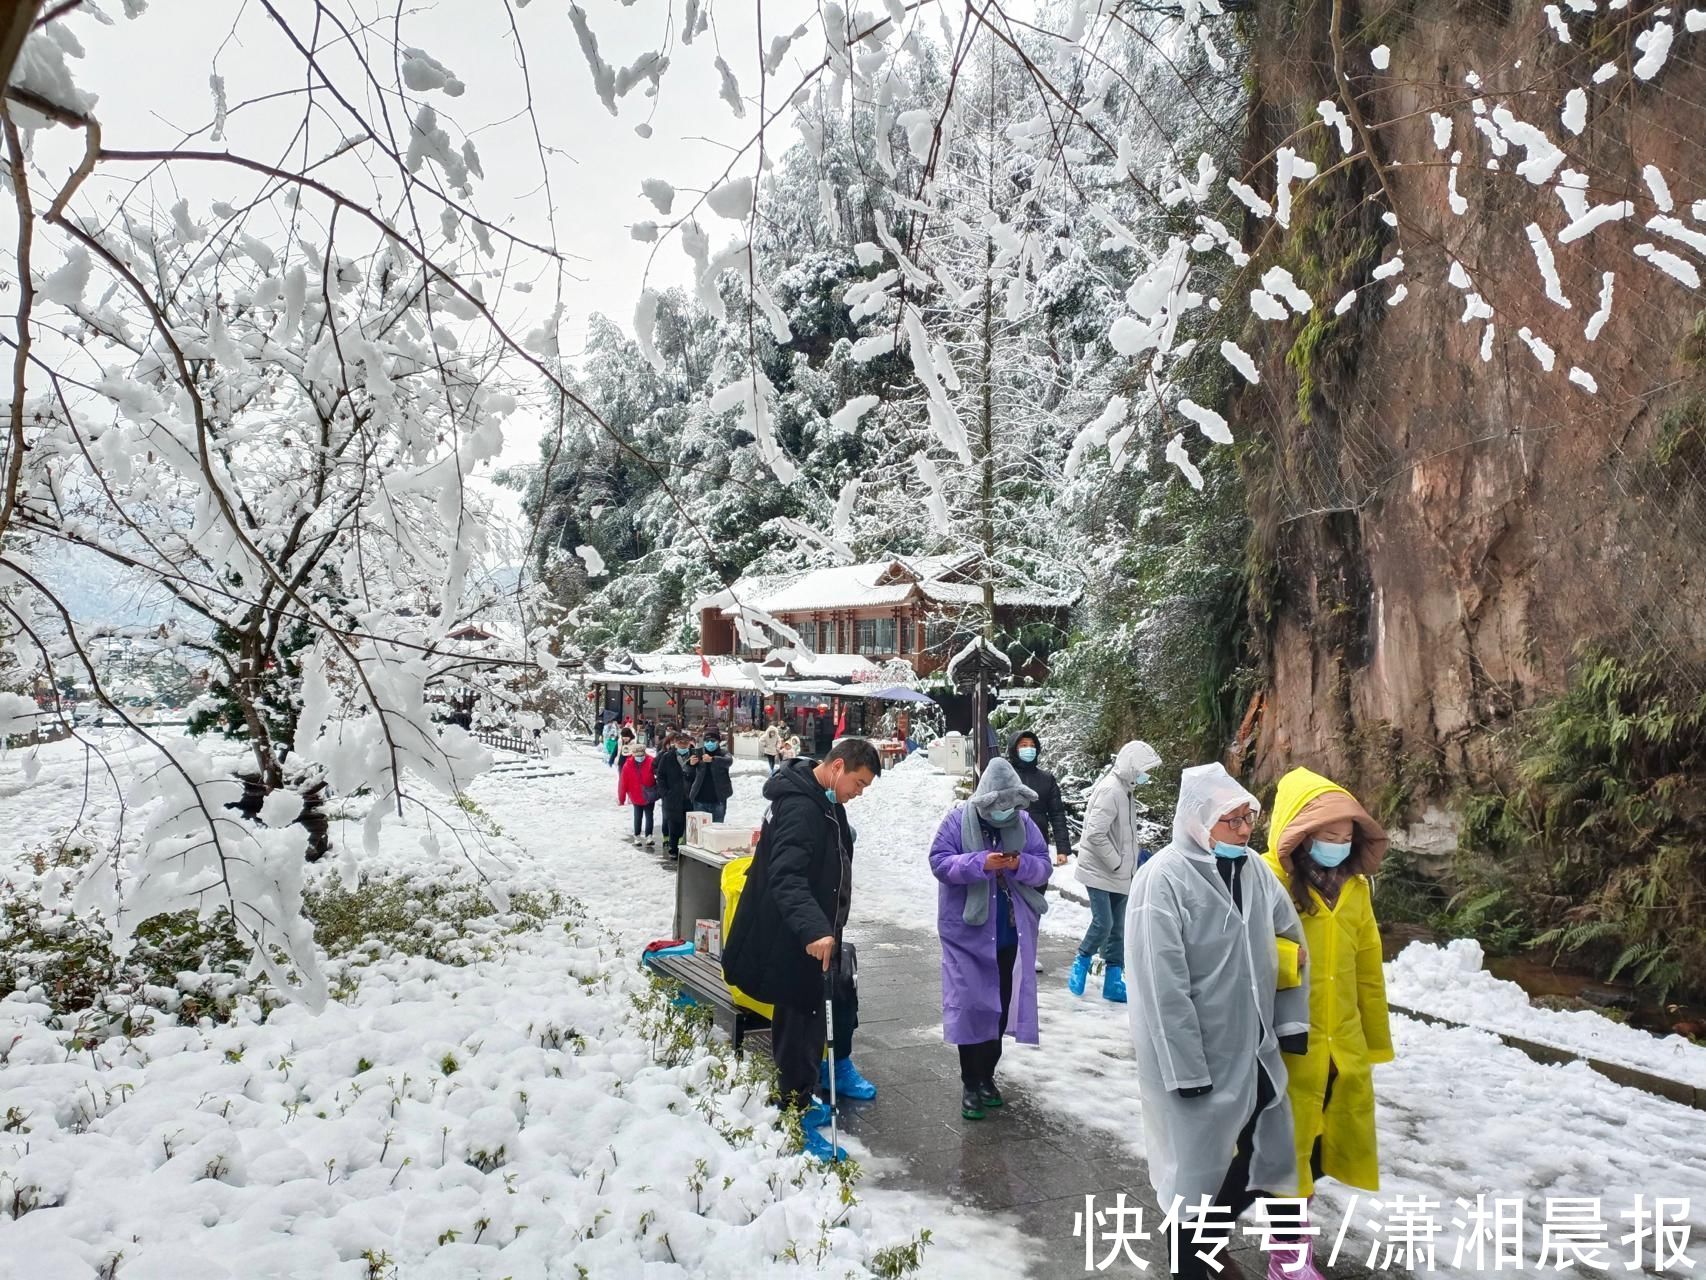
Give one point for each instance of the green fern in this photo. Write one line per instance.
(1597, 843)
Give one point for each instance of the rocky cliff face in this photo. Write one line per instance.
(1441, 523)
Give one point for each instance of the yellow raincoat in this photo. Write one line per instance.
(1348, 1025)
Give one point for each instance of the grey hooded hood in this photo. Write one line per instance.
(1108, 850)
(1000, 788)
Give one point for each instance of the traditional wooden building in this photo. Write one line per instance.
(916, 608)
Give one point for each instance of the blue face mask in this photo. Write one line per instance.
(1000, 817)
(1328, 854)
(1140, 780)
(711, 746)
(1028, 754)
(829, 795)
(683, 751)
(1224, 850)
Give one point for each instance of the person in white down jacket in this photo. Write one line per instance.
(1108, 855)
(1207, 1019)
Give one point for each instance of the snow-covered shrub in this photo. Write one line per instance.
(187, 966)
(183, 964)
(452, 922)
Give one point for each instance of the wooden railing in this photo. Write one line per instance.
(509, 740)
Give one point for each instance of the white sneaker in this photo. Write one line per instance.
(1039, 965)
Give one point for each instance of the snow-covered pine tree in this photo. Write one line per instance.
(978, 438)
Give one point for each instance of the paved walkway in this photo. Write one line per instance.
(1037, 1166)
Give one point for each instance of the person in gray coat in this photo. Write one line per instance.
(1108, 857)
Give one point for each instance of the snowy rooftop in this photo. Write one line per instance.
(679, 671)
(785, 671)
(982, 652)
(863, 586)
(824, 666)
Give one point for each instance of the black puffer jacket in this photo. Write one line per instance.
(798, 890)
(674, 780)
(1049, 811)
(712, 783)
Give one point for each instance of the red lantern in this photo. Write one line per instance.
(592, 694)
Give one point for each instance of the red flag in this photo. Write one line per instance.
(841, 722)
(704, 662)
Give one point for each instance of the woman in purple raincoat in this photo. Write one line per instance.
(991, 862)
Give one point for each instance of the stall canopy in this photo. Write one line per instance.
(898, 694)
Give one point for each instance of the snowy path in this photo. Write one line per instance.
(208, 1148)
(1461, 1115)
(510, 1117)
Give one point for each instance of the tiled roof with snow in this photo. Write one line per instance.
(863, 586)
(819, 673)
(1013, 597)
(680, 671)
(834, 666)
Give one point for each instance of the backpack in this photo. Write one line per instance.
(734, 881)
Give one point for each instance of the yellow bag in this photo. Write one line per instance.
(734, 880)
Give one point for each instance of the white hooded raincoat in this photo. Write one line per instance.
(1204, 1006)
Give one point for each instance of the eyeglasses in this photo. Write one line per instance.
(1245, 820)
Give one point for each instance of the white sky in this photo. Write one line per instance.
(151, 75)
(151, 78)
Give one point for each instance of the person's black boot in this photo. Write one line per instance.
(971, 1103)
(989, 1095)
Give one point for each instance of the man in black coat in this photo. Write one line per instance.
(712, 783)
(1048, 811)
(674, 780)
(793, 909)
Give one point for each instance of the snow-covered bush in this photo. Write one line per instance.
(188, 966)
(185, 967)
(422, 914)
(535, 1104)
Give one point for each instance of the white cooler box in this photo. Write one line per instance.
(727, 837)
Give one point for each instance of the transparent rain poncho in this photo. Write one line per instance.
(1204, 1006)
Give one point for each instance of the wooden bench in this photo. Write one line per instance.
(702, 978)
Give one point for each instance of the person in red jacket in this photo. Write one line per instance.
(637, 785)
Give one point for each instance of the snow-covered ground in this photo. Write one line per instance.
(1460, 1115)
(1451, 981)
(310, 1144)
(514, 1116)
